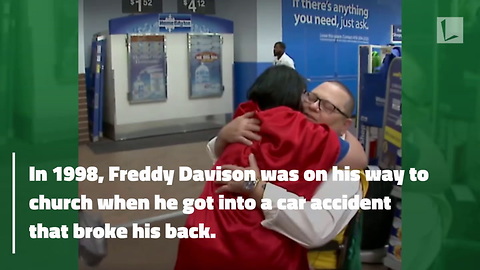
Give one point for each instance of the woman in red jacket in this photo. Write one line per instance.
(289, 142)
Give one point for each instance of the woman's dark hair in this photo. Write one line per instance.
(278, 86)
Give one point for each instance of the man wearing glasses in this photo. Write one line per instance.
(330, 103)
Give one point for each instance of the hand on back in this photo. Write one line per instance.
(242, 129)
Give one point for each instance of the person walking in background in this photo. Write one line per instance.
(281, 58)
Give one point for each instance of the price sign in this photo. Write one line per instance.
(142, 6)
(196, 6)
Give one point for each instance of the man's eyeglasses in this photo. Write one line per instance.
(323, 105)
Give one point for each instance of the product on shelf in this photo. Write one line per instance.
(395, 242)
(397, 229)
(376, 60)
(398, 210)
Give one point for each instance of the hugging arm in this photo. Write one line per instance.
(355, 157)
(241, 129)
(310, 228)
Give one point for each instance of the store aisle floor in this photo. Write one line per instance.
(192, 155)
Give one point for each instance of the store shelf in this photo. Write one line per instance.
(373, 256)
(395, 239)
(397, 192)
(392, 263)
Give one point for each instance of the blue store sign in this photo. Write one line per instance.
(396, 34)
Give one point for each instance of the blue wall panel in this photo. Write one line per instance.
(245, 74)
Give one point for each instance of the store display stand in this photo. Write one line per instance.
(393, 258)
(369, 120)
(390, 158)
(95, 89)
(148, 75)
(370, 103)
(379, 101)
